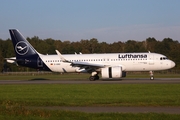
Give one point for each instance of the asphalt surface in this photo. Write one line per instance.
(101, 81)
(97, 109)
(168, 110)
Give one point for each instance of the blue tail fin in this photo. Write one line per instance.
(26, 55)
(22, 47)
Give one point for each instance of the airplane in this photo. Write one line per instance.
(109, 65)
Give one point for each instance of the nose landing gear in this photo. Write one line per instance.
(151, 75)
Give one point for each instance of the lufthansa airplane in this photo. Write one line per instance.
(113, 66)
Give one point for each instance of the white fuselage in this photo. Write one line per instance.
(128, 61)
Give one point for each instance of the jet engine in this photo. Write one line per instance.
(112, 72)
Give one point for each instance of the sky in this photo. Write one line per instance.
(106, 20)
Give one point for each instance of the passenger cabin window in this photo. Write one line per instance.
(163, 58)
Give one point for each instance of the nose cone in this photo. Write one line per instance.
(172, 64)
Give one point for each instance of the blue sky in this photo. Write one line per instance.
(107, 20)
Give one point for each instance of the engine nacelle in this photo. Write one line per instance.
(112, 72)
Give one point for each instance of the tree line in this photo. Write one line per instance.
(167, 46)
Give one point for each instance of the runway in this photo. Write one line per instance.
(101, 81)
(86, 109)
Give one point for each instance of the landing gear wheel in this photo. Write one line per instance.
(92, 78)
(151, 75)
(152, 78)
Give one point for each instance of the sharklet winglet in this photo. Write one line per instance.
(61, 57)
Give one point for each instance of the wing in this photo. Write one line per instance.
(83, 65)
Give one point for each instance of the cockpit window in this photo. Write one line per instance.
(163, 58)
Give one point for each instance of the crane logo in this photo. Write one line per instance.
(21, 48)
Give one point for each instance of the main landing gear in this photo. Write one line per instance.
(151, 75)
(94, 76)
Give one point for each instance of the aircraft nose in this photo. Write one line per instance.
(172, 64)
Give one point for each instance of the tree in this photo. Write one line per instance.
(150, 44)
(131, 46)
(103, 47)
(93, 48)
(85, 46)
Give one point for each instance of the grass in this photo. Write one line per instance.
(91, 94)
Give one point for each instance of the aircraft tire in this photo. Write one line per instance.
(152, 78)
(92, 78)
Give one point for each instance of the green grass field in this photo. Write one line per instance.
(16, 100)
(91, 94)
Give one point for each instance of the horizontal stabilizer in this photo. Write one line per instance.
(11, 60)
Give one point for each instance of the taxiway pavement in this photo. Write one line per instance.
(101, 81)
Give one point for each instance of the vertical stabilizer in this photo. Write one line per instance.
(22, 47)
(26, 55)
